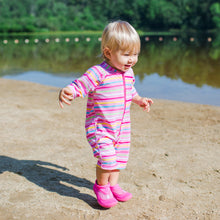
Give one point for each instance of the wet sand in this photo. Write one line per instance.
(47, 169)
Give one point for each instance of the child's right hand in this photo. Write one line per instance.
(65, 96)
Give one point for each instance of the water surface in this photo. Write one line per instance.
(168, 69)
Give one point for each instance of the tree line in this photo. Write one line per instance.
(144, 15)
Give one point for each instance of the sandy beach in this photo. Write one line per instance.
(47, 169)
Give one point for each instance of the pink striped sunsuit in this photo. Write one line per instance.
(110, 93)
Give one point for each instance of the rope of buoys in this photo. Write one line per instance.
(88, 39)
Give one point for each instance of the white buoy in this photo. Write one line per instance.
(147, 38)
(5, 41)
(57, 40)
(209, 39)
(192, 39)
(36, 41)
(26, 41)
(160, 39)
(47, 40)
(99, 39)
(88, 39)
(76, 39)
(67, 40)
(175, 39)
(16, 41)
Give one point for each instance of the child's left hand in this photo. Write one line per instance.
(145, 103)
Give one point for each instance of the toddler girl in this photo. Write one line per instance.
(110, 89)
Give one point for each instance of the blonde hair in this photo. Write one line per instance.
(120, 35)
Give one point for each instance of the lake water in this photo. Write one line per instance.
(170, 68)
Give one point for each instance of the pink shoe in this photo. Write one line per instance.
(104, 195)
(120, 194)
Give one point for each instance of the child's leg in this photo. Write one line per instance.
(114, 176)
(117, 191)
(102, 189)
(107, 176)
(102, 176)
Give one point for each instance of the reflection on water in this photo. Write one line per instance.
(195, 62)
(198, 65)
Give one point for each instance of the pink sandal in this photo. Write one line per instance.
(120, 194)
(104, 195)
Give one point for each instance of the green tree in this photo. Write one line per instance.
(53, 15)
(215, 11)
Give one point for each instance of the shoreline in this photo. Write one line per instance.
(174, 32)
(47, 169)
(192, 95)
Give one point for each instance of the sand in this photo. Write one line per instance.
(47, 169)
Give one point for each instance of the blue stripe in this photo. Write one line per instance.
(94, 73)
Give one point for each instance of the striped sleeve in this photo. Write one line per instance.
(87, 82)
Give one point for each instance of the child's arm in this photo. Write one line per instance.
(81, 86)
(143, 102)
(65, 96)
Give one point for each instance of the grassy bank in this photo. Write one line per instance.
(88, 32)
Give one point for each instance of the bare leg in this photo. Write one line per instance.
(107, 176)
(114, 176)
(102, 176)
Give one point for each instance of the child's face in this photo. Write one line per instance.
(123, 60)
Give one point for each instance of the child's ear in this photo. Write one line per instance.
(107, 53)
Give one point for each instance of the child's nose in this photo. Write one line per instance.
(130, 59)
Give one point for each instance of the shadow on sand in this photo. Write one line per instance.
(50, 179)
